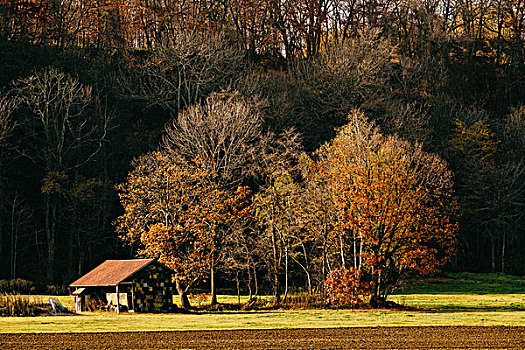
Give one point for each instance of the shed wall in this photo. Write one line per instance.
(153, 290)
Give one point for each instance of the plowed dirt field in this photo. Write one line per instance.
(338, 338)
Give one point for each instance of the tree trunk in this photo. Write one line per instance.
(15, 254)
(71, 248)
(503, 244)
(276, 288)
(325, 254)
(13, 240)
(355, 249)
(250, 283)
(79, 266)
(342, 250)
(238, 288)
(492, 254)
(360, 252)
(50, 234)
(184, 302)
(285, 274)
(213, 288)
(306, 270)
(376, 301)
(1, 249)
(256, 283)
(275, 269)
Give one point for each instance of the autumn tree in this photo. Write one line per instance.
(295, 211)
(22, 20)
(173, 209)
(276, 211)
(275, 205)
(226, 129)
(395, 201)
(319, 212)
(252, 25)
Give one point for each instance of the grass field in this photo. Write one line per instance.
(106, 322)
(457, 300)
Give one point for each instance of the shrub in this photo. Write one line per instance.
(21, 286)
(16, 305)
(17, 285)
(200, 299)
(303, 300)
(55, 289)
(346, 287)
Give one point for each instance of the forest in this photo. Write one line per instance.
(272, 145)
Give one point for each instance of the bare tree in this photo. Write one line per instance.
(64, 128)
(225, 128)
(322, 90)
(20, 216)
(180, 76)
(242, 255)
(8, 105)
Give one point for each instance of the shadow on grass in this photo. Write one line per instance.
(467, 283)
(453, 308)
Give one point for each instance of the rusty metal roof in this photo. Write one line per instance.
(111, 272)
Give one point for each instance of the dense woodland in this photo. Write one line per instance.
(251, 106)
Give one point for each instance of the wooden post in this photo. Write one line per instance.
(132, 297)
(118, 301)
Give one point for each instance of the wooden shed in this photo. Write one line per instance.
(142, 285)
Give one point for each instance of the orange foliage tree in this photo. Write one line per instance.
(395, 203)
(173, 211)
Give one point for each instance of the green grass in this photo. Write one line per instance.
(462, 302)
(455, 300)
(467, 283)
(465, 292)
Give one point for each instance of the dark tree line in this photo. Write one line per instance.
(88, 86)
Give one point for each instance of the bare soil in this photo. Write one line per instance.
(332, 338)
